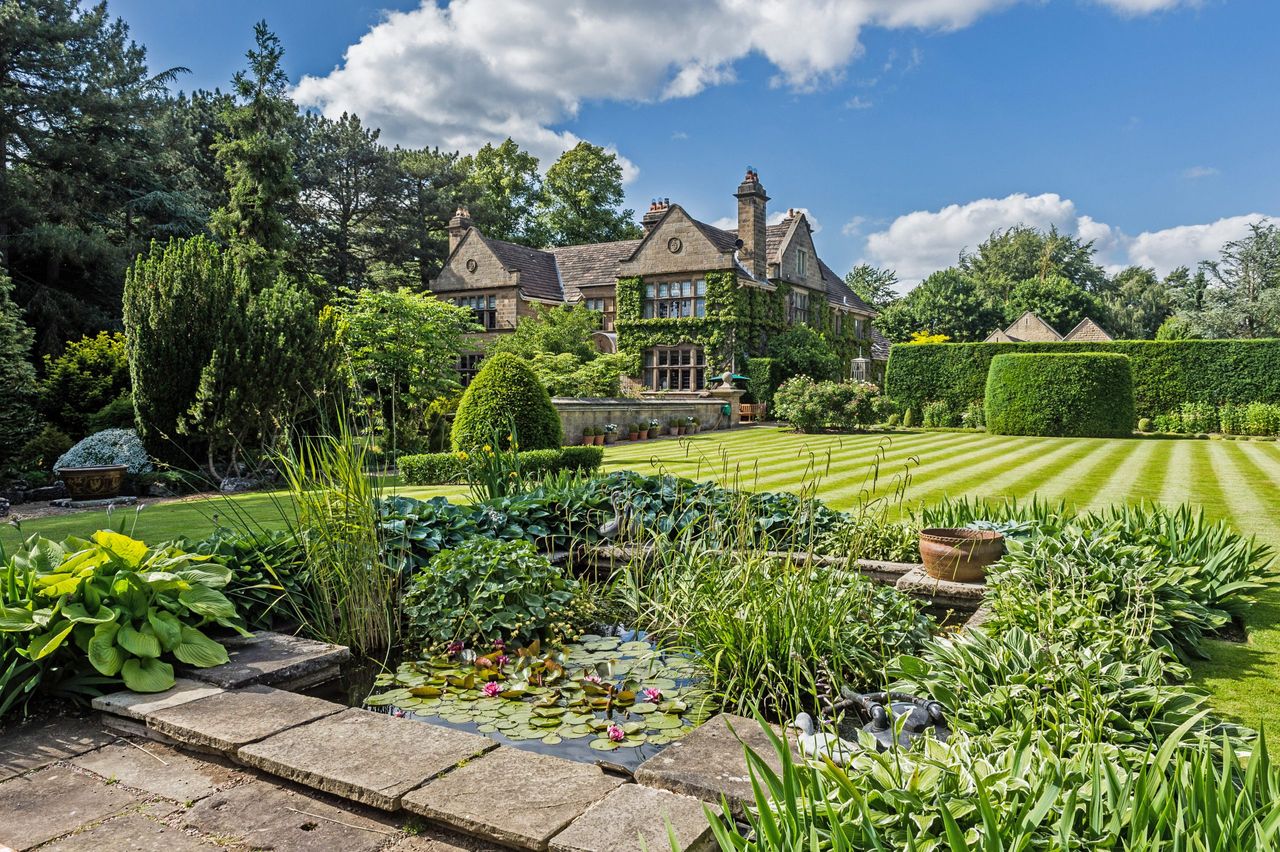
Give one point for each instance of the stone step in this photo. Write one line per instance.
(230, 719)
(273, 659)
(515, 797)
(368, 757)
(634, 818)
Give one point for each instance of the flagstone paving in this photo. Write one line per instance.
(631, 814)
(137, 705)
(273, 659)
(228, 720)
(364, 756)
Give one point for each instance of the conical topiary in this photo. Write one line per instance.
(506, 395)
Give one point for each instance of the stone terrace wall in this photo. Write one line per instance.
(577, 413)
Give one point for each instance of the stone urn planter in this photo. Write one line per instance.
(959, 555)
(93, 483)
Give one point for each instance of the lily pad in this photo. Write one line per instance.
(604, 744)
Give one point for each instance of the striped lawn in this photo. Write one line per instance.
(1233, 480)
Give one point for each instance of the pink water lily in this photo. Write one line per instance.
(502, 660)
(593, 678)
(652, 695)
(491, 689)
(454, 648)
(616, 734)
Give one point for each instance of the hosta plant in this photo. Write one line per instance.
(115, 604)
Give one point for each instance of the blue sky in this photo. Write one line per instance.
(908, 129)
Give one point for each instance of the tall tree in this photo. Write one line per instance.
(554, 331)
(258, 154)
(1021, 253)
(1138, 304)
(348, 183)
(947, 302)
(1054, 299)
(581, 197)
(18, 419)
(507, 189)
(430, 185)
(875, 286)
(83, 182)
(1243, 294)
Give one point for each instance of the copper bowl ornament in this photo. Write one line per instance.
(960, 555)
(93, 483)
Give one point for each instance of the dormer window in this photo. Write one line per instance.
(802, 262)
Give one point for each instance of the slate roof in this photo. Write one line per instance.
(773, 236)
(838, 292)
(538, 277)
(1088, 331)
(724, 241)
(879, 345)
(591, 265)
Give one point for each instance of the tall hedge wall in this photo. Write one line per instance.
(1066, 395)
(1166, 373)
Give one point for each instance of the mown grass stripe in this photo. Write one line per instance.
(857, 461)
(1147, 483)
(1077, 483)
(1003, 461)
(1265, 459)
(1207, 471)
(1023, 480)
(1251, 503)
(1177, 489)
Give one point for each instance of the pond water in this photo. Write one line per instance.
(610, 698)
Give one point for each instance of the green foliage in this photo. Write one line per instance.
(810, 406)
(1177, 327)
(876, 287)
(505, 394)
(1057, 301)
(44, 449)
(402, 348)
(116, 414)
(1138, 305)
(90, 374)
(563, 329)
(768, 629)
(938, 414)
(447, 468)
(581, 197)
(909, 418)
(1194, 418)
(1063, 395)
(947, 302)
(801, 351)
(1023, 253)
(763, 379)
(490, 590)
(266, 574)
(1144, 424)
(18, 421)
(116, 605)
(974, 415)
(258, 154)
(1241, 298)
(507, 186)
(1165, 373)
(567, 375)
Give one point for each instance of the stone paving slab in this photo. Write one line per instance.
(229, 720)
(263, 816)
(137, 705)
(617, 823)
(515, 797)
(134, 833)
(55, 801)
(423, 844)
(38, 744)
(710, 763)
(365, 756)
(941, 592)
(273, 659)
(159, 770)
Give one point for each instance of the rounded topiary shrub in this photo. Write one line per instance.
(1088, 394)
(506, 394)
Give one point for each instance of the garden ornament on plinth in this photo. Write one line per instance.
(814, 743)
(878, 713)
(624, 523)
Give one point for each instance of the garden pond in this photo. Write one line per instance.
(611, 697)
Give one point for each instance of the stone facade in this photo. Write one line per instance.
(757, 278)
(575, 414)
(1029, 328)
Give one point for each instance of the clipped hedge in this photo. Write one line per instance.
(1072, 395)
(448, 468)
(506, 394)
(1166, 373)
(763, 377)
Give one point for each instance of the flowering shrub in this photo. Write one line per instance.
(111, 446)
(809, 406)
(487, 590)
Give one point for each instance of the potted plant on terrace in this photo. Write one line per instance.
(610, 433)
(643, 429)
(673, 426)
(690, 425)
(655, 426)
(633, 432)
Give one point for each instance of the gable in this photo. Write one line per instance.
(799, 239)
(701, 247)
(1032, 329)
(473, 265)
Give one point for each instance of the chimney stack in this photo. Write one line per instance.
(458, 227)
(751, 224)
(657, 208)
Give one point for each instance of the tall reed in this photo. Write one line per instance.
(353, 590)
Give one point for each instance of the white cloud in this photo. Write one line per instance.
(473, 71)
(854, 226)
(1145, 7)
(679, 136)
(916, 244)
(1197, 172)
(858, 102)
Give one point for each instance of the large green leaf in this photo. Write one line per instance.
(57, 585)
(14, 620)
(207, 602)
(212, 575)
(46, 643)
(147, 675)
(167, 627)
(79, 613)
(199, 650)
(127, 550)
(134, 600)
(104, 654)
(139, 642)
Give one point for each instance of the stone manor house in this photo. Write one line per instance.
(687, 301)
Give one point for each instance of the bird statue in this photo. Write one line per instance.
(821, 744)
(624, 523)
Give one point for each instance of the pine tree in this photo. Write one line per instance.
(18, 420)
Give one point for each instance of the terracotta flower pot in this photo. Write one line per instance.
(93, 483)
(644, 434)
(673, 430)
(599, 441)
(633, 436)
(960, 555)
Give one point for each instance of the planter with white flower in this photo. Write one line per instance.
(95, 468)
(610, 433)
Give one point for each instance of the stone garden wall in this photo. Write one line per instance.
(577, 413)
